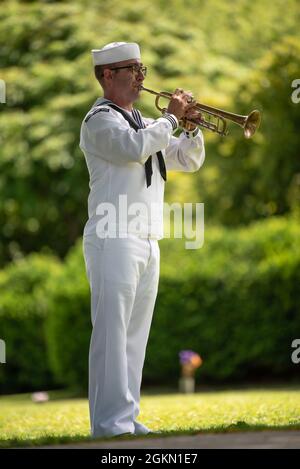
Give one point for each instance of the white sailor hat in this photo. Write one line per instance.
(116, 52)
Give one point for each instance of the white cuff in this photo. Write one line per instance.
(191, 133)
(171, 118)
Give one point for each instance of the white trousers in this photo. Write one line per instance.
(123, 274)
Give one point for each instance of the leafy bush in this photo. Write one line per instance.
(235, 301)
(23, 297)
(45, 61)
(264, 172)
(68, 325)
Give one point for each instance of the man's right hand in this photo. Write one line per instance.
(180, 103)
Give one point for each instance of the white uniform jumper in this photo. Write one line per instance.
(123, 271)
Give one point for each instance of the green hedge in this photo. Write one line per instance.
(235, 301)
(243, 327)
(68, 325)
(23, 306)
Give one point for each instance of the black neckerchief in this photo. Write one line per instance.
(137, 123)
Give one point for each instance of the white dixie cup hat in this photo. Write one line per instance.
(116, 52)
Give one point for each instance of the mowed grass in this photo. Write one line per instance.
(61, 420)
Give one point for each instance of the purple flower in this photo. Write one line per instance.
(185, 356)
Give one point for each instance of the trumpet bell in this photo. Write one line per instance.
(252, 123)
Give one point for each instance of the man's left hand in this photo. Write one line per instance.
(191, 113)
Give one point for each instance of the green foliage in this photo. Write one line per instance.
(264, 174)
(68, 325)
(23, 299)
(235, 302)
(208, 47)
(236, 56)
(44, 181)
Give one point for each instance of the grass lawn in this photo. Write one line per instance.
(62, 419)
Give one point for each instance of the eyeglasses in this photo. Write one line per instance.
(134, 67)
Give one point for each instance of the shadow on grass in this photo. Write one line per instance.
(78, 439)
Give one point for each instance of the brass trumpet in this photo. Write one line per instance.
(249, 123)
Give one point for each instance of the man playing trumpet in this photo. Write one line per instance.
(126, 155)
